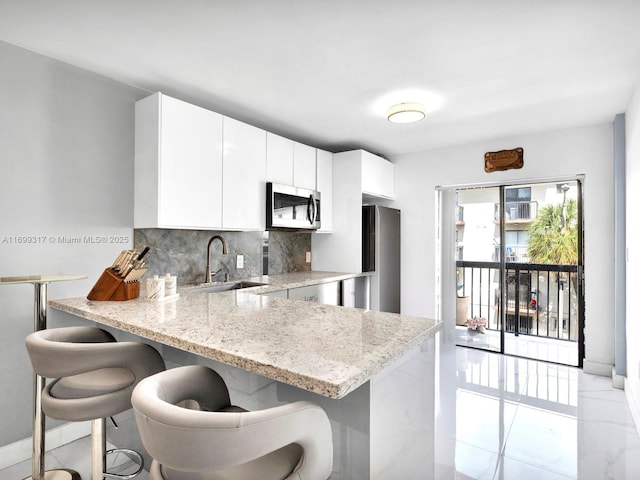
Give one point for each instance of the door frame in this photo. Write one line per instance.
(446, 222)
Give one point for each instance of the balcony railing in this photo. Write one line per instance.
(541, 300)
(513, 253)
(517, 211)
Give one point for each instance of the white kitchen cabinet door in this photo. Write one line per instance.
(304, 166)
(369, 173)
(279, 159)
(377, 176)
(178, 165)
(387, 179)
(342, 250)
(244, 173)
(324, 178)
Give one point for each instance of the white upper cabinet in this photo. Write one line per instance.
(387, 179)
(357, 176)
(304, 166)
(324, 168)
(244, 173)
(290, 163)
(196, 169)
(279, 159)
(178, 165)
(377, 176)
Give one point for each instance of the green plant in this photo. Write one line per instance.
(553, 236)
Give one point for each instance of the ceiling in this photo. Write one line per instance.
(324, 72)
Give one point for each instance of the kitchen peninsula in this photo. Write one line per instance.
(371, 371)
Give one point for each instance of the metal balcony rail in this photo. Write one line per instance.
(513, 253)
(540, 300)
(517, 211)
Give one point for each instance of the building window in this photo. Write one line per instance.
(518, 203)
(522, 194)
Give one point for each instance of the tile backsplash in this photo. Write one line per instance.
(183, 253)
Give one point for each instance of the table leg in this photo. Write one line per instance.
(38, 449)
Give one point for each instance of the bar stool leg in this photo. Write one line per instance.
(98, 448)
(37, 450)
(99, 453)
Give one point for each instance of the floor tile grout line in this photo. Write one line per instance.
(502, 453)
(502, 456)
(538, 467)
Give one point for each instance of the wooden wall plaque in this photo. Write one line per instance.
(503, 160)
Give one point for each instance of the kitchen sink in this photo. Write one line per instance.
(223, 287)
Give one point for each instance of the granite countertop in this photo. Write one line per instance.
(324, 349)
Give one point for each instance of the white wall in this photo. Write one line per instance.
(66, 170)
(586, 151)
(632, 383)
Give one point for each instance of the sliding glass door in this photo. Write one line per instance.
(478, 320)
(519, 270)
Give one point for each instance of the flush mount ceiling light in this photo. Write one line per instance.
(408, 112)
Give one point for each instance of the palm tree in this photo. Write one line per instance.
(553, 236)
(553, 239)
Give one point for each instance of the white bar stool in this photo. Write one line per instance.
(40, 283)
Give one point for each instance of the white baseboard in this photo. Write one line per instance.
(595, 368)
(617, 380)
(634, 406)
(20, 451)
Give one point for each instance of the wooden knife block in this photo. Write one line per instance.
(111, 286)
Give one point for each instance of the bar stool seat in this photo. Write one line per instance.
(94, 378)
(193, 432)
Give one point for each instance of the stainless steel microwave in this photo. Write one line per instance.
(292, 208)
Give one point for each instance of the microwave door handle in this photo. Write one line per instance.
(315, 210)
(310, 202)
(311, 209)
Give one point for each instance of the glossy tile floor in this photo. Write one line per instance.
(499, 418)
(503, 417)
(75, 455)
(530, 346)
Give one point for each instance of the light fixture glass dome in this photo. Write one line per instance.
(406, 112)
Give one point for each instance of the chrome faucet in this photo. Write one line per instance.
(208, 274)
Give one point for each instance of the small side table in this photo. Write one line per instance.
(40, 283)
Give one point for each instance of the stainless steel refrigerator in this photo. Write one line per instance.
(381, 256)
